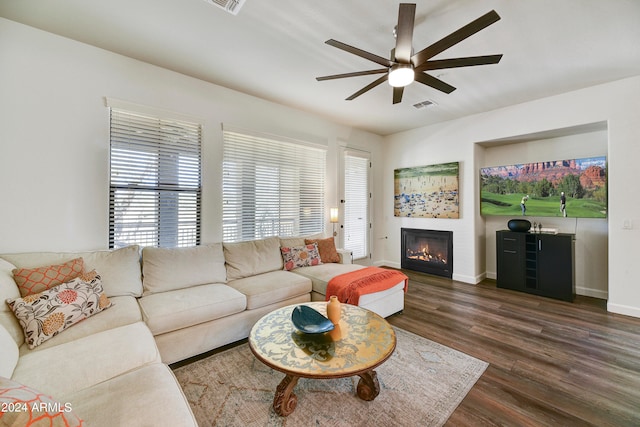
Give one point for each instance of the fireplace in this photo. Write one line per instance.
(428, 251)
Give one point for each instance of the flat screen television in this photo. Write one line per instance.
(539, 189)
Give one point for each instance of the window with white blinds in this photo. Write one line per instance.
(271, 187)
(356, 203)
(155, 184)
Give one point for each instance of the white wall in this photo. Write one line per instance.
(615, 103)
(432, 145)
(54, 136)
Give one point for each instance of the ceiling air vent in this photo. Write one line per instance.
(231, 6)
(425, 104)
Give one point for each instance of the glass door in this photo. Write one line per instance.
(356, 202)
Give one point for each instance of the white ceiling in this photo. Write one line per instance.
(274, 49)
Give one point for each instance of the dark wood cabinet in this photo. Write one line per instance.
(540, 264)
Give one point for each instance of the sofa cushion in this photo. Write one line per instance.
(123, 311)
(46, 314)
(270, 288)
(85, 362)
(9, 290)
(300, 256)
(321, 274)
(168, 269)
(8, 353)
(172, 310)
(299, 240)
(245, 259)
(119, 268)
(35, 280)
(327, 249)
(26, 406)
(148, 396)
(288, 242)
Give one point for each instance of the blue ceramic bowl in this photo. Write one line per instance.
(310, 321)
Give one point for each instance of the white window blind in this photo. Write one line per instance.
(271, 187)
(356, 203)
(155, 184)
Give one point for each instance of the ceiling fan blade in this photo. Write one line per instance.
(404, 32)
(359, 52)
(397, 94)
(435, 83)
(459, 62)
(454, 38)
(355, 74)
(367, 88)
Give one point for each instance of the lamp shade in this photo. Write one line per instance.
(333, 213)
(401, 75)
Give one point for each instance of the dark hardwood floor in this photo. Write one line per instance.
(552, 363)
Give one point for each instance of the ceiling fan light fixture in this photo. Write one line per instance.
(401, 75)
(403, 67)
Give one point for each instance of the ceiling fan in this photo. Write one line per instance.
(404, 66)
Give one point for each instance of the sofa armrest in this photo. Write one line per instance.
(346, 256)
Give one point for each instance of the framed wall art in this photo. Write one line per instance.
(427, 191)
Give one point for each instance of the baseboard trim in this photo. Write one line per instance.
(474, 280)
(388, 264)
(623, 309)
(594, 293)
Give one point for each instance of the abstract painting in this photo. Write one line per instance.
(427, 191)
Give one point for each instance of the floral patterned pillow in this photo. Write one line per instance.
(44, 315)
(300, 256)
(24, 406)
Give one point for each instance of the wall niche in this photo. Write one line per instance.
(591, 244)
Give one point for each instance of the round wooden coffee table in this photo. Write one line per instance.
(361, 342)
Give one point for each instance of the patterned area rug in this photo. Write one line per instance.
(421, 384)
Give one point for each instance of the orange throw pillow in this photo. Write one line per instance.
(25, 406)
(35, 280)
(327, 249)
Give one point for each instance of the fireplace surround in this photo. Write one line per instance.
(427, 251)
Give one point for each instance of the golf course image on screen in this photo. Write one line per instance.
(562, 188)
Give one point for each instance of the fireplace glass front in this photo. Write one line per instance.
(427, 251)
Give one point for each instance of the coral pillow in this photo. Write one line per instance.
(327, 249)
(300, 256)
(35, 280)
(24, 406)
(44, 315)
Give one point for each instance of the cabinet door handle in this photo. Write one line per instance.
(539, 245)
(511, 239)
(510, 252)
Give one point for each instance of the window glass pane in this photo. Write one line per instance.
(271, 188)
(155, 181)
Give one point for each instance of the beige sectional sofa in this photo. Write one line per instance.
(167, 305)
(106, 369)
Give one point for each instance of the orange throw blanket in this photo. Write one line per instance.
(349, 287)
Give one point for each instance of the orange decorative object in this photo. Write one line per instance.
(334, 309)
